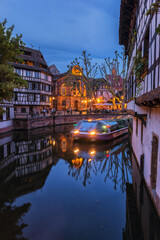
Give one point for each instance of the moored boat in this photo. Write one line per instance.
(100, 129)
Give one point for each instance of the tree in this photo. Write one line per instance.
(85, 71)
(10, 50)
(113, 79)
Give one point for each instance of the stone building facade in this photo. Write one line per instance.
(68, 96)
(138, 34)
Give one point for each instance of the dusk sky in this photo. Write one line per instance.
(62, 29)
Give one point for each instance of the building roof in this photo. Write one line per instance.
(126, 13)
(54, 70)
(35, 56)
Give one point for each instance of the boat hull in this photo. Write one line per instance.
(99, 136)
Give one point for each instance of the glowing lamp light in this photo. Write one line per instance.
(90, 159)
(89, 120)
(76, 150)
(76, 131)
(54, 143)
(92, 152)
(53, 98)
(85, 101)
(92, 133)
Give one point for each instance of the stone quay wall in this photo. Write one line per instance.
(37, 122)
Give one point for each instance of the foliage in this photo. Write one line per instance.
(154, 8)
(11, 216)
(132, 42)
(10, 50)
(113, 80)
(86, 73)
(140, 65)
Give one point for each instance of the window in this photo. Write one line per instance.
(101, 93)
(84, 91)
(47, 88)
(30, 97)
(141, 132)
(18, 71)
(63, 89)
(47, 99)
(30, 86)
(36, 86)
(137, 126)
(1, 152)
(101, 128)
(37, 98)
(63, 103)
(8, 149)
(27, 73)
(1, 116)
(7, 113)
(23, 110)
(46, 77)
(36, 74)
(15, 97)
(114, 127)
(15, 109)
(154, 161)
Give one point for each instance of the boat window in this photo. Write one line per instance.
(122, 123)
(114, 127)
(102, 128)
(87, 126)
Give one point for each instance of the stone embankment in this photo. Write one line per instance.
(36, 122)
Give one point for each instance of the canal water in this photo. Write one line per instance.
(54, 188)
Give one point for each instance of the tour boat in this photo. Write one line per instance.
(100, 129)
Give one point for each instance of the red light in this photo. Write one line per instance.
(107, 155)
(108, 126)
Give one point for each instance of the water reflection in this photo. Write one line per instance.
(112, 160)
(50, 161)
(142, 218)
(25, 162)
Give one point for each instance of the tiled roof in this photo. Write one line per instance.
(34, 56)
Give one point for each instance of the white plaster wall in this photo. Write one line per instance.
(145, 147)
(5, 124)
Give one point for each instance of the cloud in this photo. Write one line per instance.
(63, 29)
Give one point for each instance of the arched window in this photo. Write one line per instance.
(64, 145)
(78, 88)
(84, 91)
(154, 162)
(63, 89)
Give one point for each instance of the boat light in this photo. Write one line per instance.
(76, 131)
(90, 159)
(92, 133)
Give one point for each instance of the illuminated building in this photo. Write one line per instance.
(68, 96)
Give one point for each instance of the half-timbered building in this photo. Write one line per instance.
(37, 97)
(138, 33)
